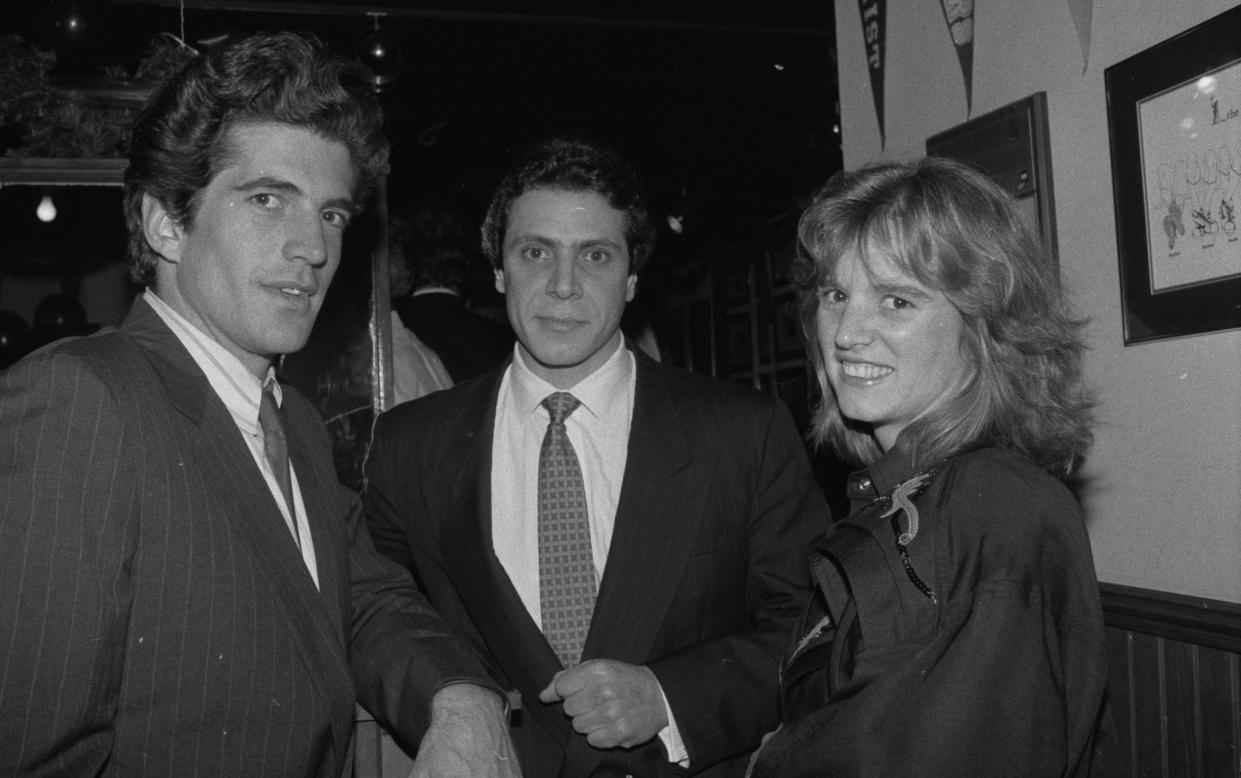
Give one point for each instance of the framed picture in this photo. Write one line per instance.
(1010, 144)
(1174, 118)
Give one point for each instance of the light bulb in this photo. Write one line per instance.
(46, 210)
(380, 50)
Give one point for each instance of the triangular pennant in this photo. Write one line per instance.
(1082, 12)
(873, 31)
(959, 16)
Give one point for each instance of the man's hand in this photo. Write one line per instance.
(611, 703)
(468, 736)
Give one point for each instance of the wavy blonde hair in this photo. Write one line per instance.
(954, 230)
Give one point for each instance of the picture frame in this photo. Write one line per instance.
(1174, 123)
(1012, 145)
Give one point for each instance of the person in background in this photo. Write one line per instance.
(58, 316)
(955, 627)
(626, 540)
(416, 369)
(466, 342)
(188, 589)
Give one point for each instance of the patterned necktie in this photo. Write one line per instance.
(566, 567)
(276, 446)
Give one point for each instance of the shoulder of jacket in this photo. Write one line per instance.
(1001, 494)
(689, 384)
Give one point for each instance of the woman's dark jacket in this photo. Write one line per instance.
(976, 650)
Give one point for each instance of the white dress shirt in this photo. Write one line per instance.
(241, 392)
(416, 369)
(599, 432)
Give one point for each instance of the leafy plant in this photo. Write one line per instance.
(63, 122)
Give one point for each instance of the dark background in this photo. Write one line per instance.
(728, 109)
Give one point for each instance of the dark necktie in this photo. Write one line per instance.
(566, 567)
(276, 446)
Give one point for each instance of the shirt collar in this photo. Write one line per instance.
(880, 477)
(599, 393)
(434, 290)
(233, 383)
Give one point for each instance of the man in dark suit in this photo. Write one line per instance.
(636, 583)
(188, 590)
(430, 245)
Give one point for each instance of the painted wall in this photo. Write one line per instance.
(1163, 494)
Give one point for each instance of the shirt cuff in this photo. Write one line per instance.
(671, 737)
(511, 699)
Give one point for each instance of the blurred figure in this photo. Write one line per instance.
(956, 627)
(58, 316)
(467, 343)
(640, 331)
(416, 369)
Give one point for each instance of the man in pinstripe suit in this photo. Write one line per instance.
(180, 597)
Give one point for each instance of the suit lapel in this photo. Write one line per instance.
(319, 485)
(242, 497)
(660, 507)
(659, 510)
(464, 535)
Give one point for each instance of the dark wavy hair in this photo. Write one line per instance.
(955, 230)
(180, 138)
(574, 165)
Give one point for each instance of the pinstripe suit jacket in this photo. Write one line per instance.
(705, 576)
(157, 618)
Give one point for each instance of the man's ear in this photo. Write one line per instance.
(500, 286)
(631, 287)
(161, 231)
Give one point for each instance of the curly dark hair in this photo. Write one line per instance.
(180, 138)
(574, 165)
(954, 230)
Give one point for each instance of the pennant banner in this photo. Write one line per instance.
(959, 16)
(873, 38)
(1082, 11)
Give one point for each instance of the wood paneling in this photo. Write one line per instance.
(1174, 682)
(1174, 686)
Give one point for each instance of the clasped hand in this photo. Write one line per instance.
(611, 703)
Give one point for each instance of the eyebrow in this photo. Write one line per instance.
(900, 290)
(881, 286)
(287, 187)
(589, 243)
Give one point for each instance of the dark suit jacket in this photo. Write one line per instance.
(467, 343)
(706, 573)
(157, 617)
